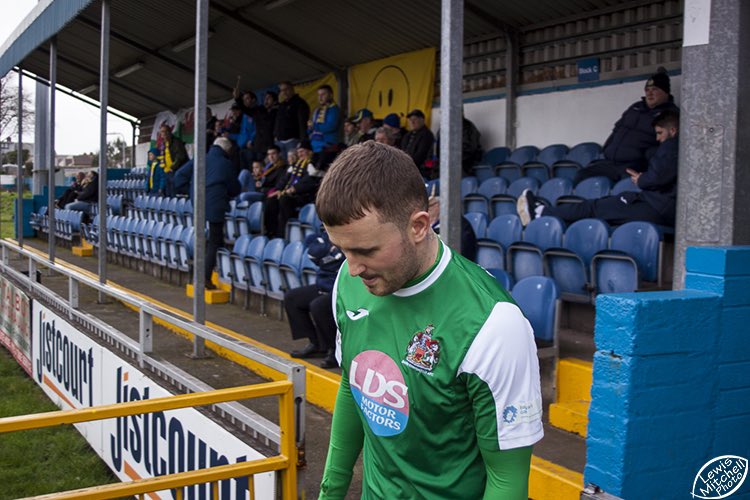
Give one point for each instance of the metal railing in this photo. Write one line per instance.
(141, 349)
(285, 462)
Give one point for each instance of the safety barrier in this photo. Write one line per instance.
(285, 462)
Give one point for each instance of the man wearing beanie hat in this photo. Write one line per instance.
(632, 142)
(155, 179)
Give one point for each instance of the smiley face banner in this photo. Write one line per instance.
(396, 84)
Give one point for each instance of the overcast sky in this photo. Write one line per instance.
(76, 123)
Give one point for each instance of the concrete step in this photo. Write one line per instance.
(570, 412)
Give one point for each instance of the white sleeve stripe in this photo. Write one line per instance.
(503, 355)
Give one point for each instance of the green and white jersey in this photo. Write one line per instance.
(438, 370)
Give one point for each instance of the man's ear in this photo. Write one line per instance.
(419, 225)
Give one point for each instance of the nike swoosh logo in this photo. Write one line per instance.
(354, 316)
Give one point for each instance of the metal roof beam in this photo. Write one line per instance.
(486, 16)
(151, 52)
(237, 15)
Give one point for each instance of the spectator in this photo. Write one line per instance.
(248, 105)
(436, 358)
(264, 123)
(309, 308)
(418, 142)
(393, 123)
(298, 187)
(291, 119)
(88, 195)
(221, 185)
(385, 135)
(654, 203)
(155, 178)
(471, 148)
(366, 123)
(70, 194)
(172, 156)
(272, 173)
(631, 143)
(323, 128)
(351, 132)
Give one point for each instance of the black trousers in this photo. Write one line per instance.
(213, 243)
(615, 210)
(613, 171)
(310, 314)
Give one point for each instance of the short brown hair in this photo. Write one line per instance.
(371, 176)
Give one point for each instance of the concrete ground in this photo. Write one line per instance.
(558, 446)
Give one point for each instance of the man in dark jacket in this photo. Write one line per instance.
(309, 308)
(221, 185)
(418, 142)
(631, 143)
(291, 119)
(172, 155)
(654, 203)
(88, 195)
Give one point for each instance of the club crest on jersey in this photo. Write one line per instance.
(423, 352)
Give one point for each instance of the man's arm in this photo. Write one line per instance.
(347, 436)
(507, 473)
(183, 177)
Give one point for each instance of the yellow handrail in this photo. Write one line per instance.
(284, 462)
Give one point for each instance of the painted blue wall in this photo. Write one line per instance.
(671, 386)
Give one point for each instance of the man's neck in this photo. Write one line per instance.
(429, 252)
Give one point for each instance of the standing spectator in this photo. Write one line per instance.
(88, 195)
(418, 142)
(264, 123)
(351, 132)
(291, 119)
(366, 123)
(248, 104)
(632, 143)
(155, 178)
(172, 155)
(221, 185)
(323, 128)
(471, 148)
(309, 308)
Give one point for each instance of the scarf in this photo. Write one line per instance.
(166, 158)
(298, 170)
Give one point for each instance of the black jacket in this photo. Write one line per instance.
(90, 191)
(418, 145)
(291, 119)
(659, 182)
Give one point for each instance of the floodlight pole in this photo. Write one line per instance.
(451, 105)
(199, 171)
(103, 103)
(19, 158)
(51, 151)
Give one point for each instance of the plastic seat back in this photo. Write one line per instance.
(554, 189)
(537, 296)
(642, 241)
(495, 156)
(478, 223)
(624, 185)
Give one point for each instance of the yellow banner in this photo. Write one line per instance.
(309, 91)
(396, 84)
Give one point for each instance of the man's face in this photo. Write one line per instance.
(365, 124)
(268, 100)
(655, 96)
(324, 97)
(662, 133)
(248, 100)
(285, 92)
(273, 155)
(165, 133)
(381, 137)
(415, 122)
(349, 128)
(303, 153)
(381, 254)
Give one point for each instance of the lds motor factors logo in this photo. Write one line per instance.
(380, 392)
(423, 352)
(720, 477)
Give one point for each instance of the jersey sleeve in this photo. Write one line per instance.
(507, 473)
(501, 371)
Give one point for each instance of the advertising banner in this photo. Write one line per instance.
(76, 372)
(15, 323)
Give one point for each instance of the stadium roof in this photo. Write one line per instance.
(263, 41)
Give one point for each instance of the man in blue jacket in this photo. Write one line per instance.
(631, 143)
(221, 185)
(310, 309)
(654, 203)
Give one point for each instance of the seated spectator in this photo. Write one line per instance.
(351, 132)
(88, 195)
(468, 238)
(272, 172)
(654, 203)
(366, 123)
(418, 142)
(155, 178)
(385, 135)
(631, 143)
(297, 188)
(291, 119)
(393, 123)
(71, 193)
(323, 128)
(309, 308)
(221, 185)
(471, 148)
(291, 157)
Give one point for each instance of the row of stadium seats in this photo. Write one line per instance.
(555, 160)
(585, 259)
(177, 210)
(67, 223)
(128, 188)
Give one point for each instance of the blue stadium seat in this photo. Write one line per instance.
(502, 277)
(510, 169)
(224, 267)
(291, 264)
(433, 187)
(309, 270)
(495, 156)
(624, 185)
(537, 297)
(255, 218)
(247, 270)
(294, 231)
(634, 255)
(525, 258)
(480, 201)
(469, 185)
(501, 232)
(506, 203)
(569, 265)
(539, 168)
(271, 267)
(483, 172)
(554, 189)
(478, 223)
(577, 158)
(588, 189)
